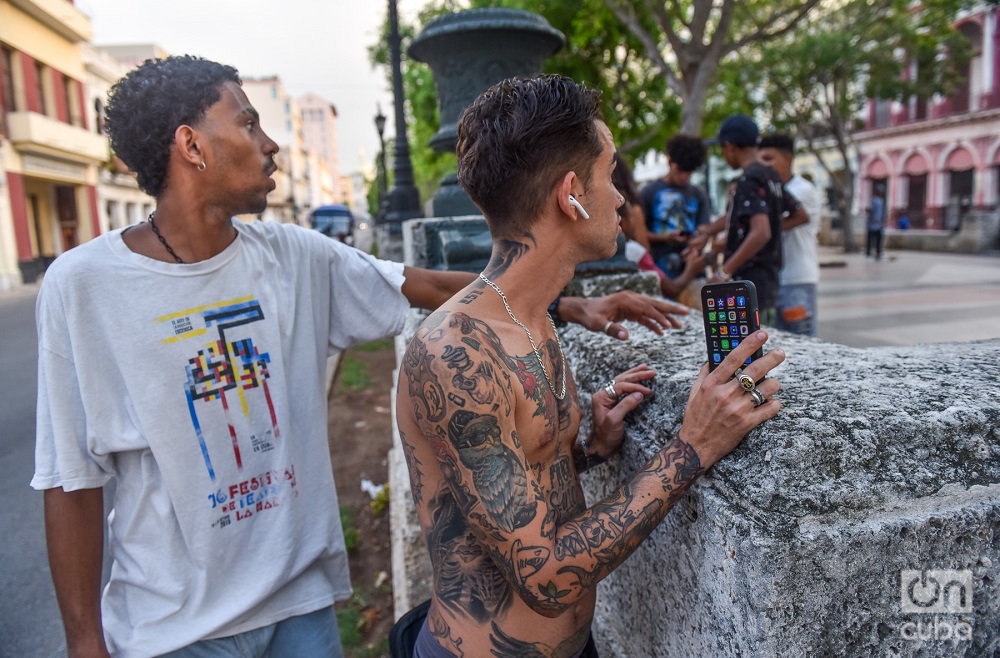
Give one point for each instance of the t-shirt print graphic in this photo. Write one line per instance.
(673, 211)
(226, 368)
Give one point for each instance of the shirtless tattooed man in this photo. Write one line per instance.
(489, 423)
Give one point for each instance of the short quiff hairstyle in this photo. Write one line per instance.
(518, 139)
(779, 142)
(147, 106)
(687, 152)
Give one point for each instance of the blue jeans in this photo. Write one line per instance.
(313, 635)
(797, 308)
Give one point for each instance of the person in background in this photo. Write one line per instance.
(633, 218)
(637, 247)
(673, 207)
(754, 216)
(876, 223)
(796, 311)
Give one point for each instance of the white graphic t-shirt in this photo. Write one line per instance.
(200, 389)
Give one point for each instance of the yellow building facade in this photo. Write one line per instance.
(50, 151)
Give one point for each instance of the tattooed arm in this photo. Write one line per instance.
(551, 558)
(431, 288)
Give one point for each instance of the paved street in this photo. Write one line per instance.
(29, 618)
(910, 298)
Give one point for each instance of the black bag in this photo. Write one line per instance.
(403, 634)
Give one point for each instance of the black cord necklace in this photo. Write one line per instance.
(163, 240)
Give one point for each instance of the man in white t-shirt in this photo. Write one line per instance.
(800, 271)
(184, 358)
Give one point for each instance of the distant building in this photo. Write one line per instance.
(940, 157)
(319, 133)
(280, 118)
(120, 202)
(132, 55)
(50, 152)
(322, 186)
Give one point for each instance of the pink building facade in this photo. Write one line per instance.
(939, 158)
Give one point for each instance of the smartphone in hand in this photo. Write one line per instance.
(731, 314)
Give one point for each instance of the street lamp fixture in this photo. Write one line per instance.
(379, 121)
(381, 182)
(403, 200)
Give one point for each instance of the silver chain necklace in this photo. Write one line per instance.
(562, 394)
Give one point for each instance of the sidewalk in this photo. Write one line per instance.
(908, 298)
(17, 292)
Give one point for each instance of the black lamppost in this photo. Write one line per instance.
(381, 182)
(404, 199)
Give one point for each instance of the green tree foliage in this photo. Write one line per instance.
(640, 109)
(816, 80)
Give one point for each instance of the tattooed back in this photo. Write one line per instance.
(489, 449)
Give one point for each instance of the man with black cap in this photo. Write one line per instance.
(753, 216)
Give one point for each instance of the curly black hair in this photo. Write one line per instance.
(686, 151)
(518, 138)
(147, 106)
(778, 141)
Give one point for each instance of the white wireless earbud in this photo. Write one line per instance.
(576, 204)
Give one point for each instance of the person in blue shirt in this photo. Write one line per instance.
(876, 223)
(673, 207)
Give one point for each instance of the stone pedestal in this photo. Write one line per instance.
(468, 52)
(883, 461)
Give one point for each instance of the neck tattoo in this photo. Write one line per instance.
(561, 394)
(163, 240)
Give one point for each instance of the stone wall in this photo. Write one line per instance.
(882, 460)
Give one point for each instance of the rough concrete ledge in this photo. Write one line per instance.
(882, 460)
(594, 286)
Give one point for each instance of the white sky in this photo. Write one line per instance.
(313, 45)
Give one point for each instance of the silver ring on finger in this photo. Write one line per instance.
(758, 397)
(607, 325)
(747, 382)
(609, 388)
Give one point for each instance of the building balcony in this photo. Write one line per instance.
(33, 132)
(61, 16)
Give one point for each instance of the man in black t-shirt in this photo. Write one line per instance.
(753, 216)
(674, 209)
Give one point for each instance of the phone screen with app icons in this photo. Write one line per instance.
(731, 314)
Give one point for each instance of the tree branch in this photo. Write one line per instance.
(627, 16)
(666, 23)
(636, 142)
(761, 33)
(699, 21)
